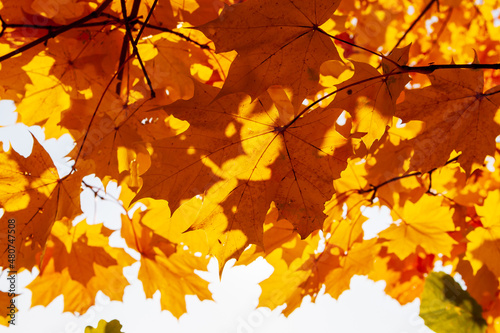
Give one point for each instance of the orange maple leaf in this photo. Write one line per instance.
(302, 267)
(34, 196)
(458, 116)
(240, 156)
(78, 262)
(483, 245)
(425, 223)
(404, 278)
(274, 48)
(371, 97)
(165, 266)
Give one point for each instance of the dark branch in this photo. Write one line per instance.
(4, 26)
(145, 22)
(124, 49)
(374, 188)
(429, 188)
(134, 45)
(431, 68)
(57, 32)
(54, 27)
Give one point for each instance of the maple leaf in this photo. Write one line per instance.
(458, 116)
(481, 285)
(404, 278)
(445, 305)
(276, 233)
(33, 195)
(453, 180)
(482, 248)
(75, 64)
(303, 268)
(13, 84)
(237, 151)
(371, 97)
(419, 229)
(117, 143)
(273, 48)
(165, 266)
(77, 263)
(288, 274)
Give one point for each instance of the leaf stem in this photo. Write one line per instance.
(95, 113)
(410, 28)
(359, 47)
(181, 35)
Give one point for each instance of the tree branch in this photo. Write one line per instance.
(124, 49)
(56, 32)
(431, 68)
(53, 27)
(139, 34)
(374, 188)
(130, 39)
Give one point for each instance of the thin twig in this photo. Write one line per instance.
(374, 188)
(53, 27)
(186, 38)
(134, 47)
(426, 9)
(95, 113)
(57, 32)
(359, 47)
(125, 46)
(145, 22)
(441, 29)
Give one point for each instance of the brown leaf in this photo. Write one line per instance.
(458, 116)
(278, 42)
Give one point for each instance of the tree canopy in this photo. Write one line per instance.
(246, 129)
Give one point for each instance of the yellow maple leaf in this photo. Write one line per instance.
(165, 266)
(482, 248)
(425, 223)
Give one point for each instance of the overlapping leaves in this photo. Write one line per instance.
(259, 134)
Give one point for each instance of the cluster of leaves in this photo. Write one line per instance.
(256, 129)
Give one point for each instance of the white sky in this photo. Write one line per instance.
(363, 308)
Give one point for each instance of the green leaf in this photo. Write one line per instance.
(113, 326)
(446, 307)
